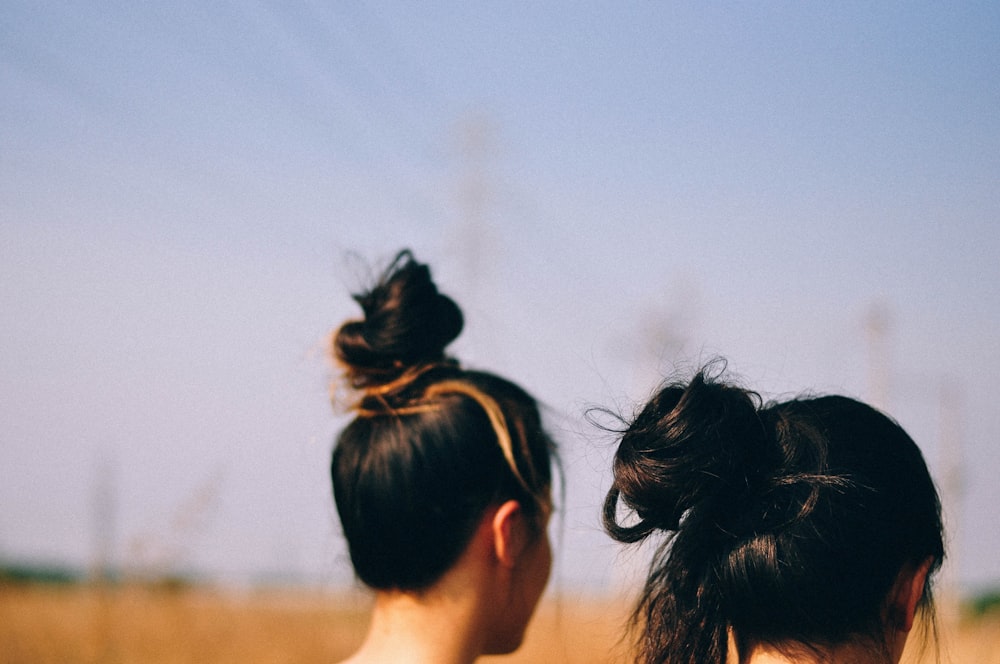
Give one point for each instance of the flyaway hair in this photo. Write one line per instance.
(783, 523)
(432, 444)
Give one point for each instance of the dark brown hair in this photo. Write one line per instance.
(786, 523)
(432, 444)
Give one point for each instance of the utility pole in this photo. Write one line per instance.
(663, 329)
(477, 147)
(952, 490)
(877, 324)
(104, 514)
(104, 506)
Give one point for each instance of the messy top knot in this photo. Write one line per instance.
(432, 444)
(407, 323)
(685, 447)
(785, 523)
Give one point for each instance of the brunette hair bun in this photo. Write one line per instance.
(785, 524)
(431, 445)
(407, 323)
(689, 445)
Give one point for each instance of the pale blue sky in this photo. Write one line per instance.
(180, 190)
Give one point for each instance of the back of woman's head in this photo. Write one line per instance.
(432, 445)
(787, 524)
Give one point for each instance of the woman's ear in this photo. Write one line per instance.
(906, 594)
(510, 533)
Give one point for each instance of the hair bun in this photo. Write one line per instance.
(686, 446)
(407, 322)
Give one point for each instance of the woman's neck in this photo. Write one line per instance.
(419, 628)
(848, 653)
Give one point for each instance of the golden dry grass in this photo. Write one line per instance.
(125, 625)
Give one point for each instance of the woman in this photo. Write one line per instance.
(799, 531)
(442, 482)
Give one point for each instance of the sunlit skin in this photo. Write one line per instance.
(480, 606)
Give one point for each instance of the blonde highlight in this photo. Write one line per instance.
(497, 420)
(375, 403)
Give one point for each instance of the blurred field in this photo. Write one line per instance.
(78, 624)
